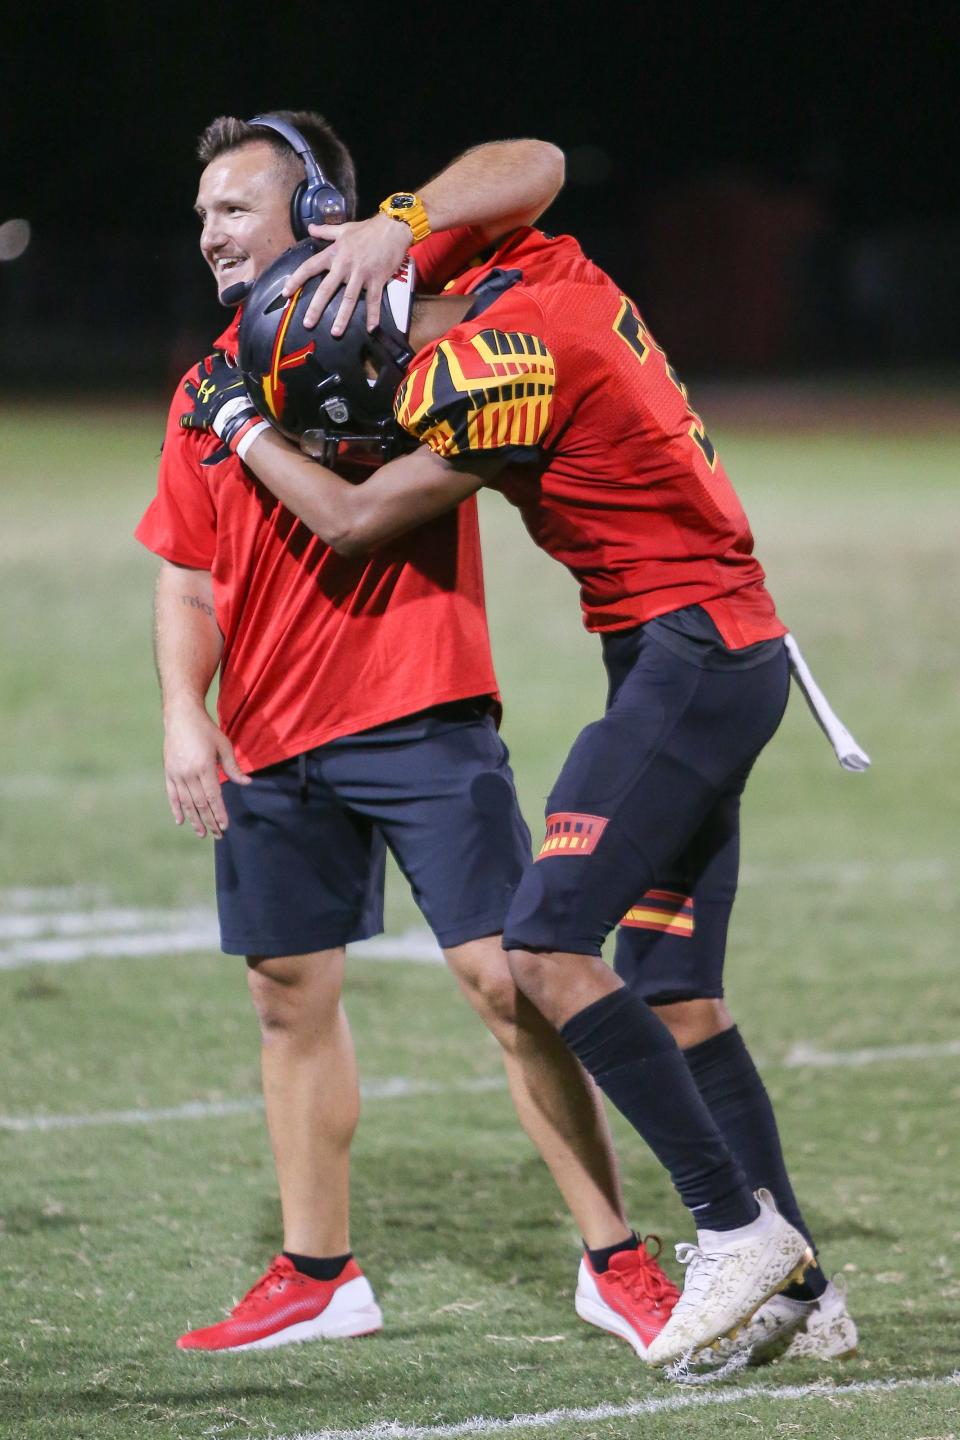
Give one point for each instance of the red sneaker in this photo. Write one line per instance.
(632, 1299)
(285, 1307)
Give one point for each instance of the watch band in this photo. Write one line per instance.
(408, 208)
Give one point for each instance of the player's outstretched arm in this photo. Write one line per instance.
(354, 519)
(492, 188)
(351, 519)
(188, 646)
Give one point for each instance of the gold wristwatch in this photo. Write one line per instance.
(408, 208)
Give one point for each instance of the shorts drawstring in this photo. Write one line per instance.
(302, 771)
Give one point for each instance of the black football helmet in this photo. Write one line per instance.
(316, 389)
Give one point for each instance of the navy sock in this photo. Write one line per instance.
(736, 1097)
(635, 1061)
(324, 1267)
(600, 1259)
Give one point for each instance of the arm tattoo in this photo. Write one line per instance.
(197, 604)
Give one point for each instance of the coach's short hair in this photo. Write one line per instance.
(228, 133)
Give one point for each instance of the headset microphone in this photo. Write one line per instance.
(315, 201)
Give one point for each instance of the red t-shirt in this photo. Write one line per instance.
(316, 645)
(611, 469)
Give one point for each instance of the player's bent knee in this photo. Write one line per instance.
(692, 1021)
(532, 973)
(547, 913)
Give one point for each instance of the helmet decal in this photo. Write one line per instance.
(272, 382)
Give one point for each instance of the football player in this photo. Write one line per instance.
(533, 373)
(357, 709)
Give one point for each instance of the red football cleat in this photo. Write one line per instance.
(285, 1307)
(633, 1298)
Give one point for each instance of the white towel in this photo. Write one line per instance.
(847, 751)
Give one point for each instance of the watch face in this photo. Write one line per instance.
(402, 202)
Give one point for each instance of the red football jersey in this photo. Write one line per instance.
(317, 645)
(612, 470)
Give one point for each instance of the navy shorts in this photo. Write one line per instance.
(301, 866)
(643, 822)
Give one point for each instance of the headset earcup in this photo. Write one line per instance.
(298, 221)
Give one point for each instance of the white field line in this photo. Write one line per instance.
(44, 897)
(808, 1057)
(35, 930)
(417, 945)
(400, 1088)
(116, 935)
(396, 1087)
(917, 870)
(656, 1405)
(103, 921)
(31, 936)
(110, 947)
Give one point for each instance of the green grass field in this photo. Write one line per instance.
(119, 1231)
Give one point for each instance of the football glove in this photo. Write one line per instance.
(221, 406)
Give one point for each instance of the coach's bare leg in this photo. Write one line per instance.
(690, 1022)
(311, 1094)
(557, 1103)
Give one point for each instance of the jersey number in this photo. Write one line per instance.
(630, 328)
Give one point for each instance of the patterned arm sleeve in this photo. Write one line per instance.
(489, 391)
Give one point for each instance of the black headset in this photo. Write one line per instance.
(315, 201)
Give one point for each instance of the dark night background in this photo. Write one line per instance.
(779, 194)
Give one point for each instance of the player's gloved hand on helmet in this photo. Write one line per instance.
(221, 405)
(362, 256)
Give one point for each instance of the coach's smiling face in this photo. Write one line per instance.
(244, 207)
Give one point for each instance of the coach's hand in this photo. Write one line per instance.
(221, 404)
(362, 255)
(192, 747)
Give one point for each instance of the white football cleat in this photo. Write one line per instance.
(830, 1332)
(821, 1329)
(730, 1274)
(765, 1336)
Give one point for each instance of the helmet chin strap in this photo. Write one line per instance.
(399, 351)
